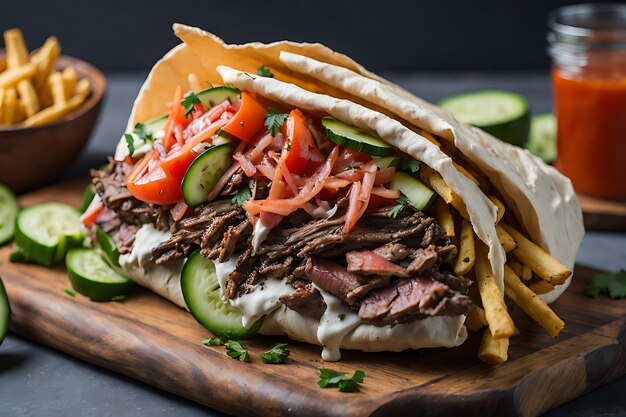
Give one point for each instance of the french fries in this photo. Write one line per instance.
(466, 257)
(528, 301)
(520, 270)
(29, 91)
(498, 203)
(493, 351)
(475, 319)
(436, 182)
(537, 259)
(445, 218)
(541, 287)
(507, 242)
(500, 322)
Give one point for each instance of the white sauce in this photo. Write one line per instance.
(339, 327)
(259, 234)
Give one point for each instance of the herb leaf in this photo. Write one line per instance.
(130, 142)
(189, 103)
(213, 341)
(277, 354)
(336, 379)
(69, 292)
(395, 210)
(241, 196)
(230, 85)
(274, 120)
(411, 166)
(118, 298)
(237, 350)
(264, 71)
(613, 284)
(140, 130)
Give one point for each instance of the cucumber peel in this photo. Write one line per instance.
(542, 140)
(8, 212)
(5, 312)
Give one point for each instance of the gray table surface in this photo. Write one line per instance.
(38, 381)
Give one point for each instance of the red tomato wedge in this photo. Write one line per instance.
(248, 120)
(298, 142)
(153, 185)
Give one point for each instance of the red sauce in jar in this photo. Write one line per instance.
(591, 139)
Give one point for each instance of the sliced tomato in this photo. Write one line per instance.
(347, 157)
(156, 187)
(94, 209)
(298, 142)
(248, 120)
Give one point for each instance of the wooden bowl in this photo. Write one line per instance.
(34, 156)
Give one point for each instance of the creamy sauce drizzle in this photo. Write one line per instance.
(259, 234)
(338, 320)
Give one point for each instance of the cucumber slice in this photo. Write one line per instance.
(504, 114)
(88, 194)
(353, 138)
(420, 196)
(388, 162)
(542, 140)
(46, 231)
(204, 172)
(92, 276)
(209, 98)
(108, 246)
(8, 213)
(205, 300)
(5, 312)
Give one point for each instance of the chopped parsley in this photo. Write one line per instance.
(411, 166)
(277, 354)
(336, 379)
(130, 142)
(395, 210)
(613, 284)
(213, 341)
(237, 350)
(70, 293)
(241, 196)
(264, 71)
(189, 103)
(141, 131)
(274, 120)
(118, 298)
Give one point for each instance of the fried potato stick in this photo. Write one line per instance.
(507, 242)
(12, 76)
(498, 203)
(475, 319)
(528, 301)
(500, 322)
(444, 217)
(537, 259)
(493, 351)
(55, 112)
(28, 97)
(466, 257)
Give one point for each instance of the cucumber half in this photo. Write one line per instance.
(542, 140)
(46, 231)
(204, 172)
(206, 302)
(420, 196)
(92, 276)
(353, 138)
(5, 313)
(108, 246)
(8, 213)
(504, 114)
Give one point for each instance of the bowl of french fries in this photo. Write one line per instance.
(49, 104)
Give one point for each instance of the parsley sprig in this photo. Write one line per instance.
(395, 210)
(142, 133)
(69, 292)
(613, 284)
(277, 354)
(274, 120)
(336, 379)
(130, 143)
(213, 341)
(264, 71)
(189, 103)
(241, 196)
(237, 350)
(411, 166)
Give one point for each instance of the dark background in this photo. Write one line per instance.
(383, 35)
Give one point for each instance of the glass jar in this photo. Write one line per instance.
(587, 44)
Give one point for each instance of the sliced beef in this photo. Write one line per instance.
(422, 260)
(306, 301)
(393, 251)
(412, 298)
(370, 263)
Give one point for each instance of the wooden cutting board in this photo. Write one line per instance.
(602, 214)
(150, 339)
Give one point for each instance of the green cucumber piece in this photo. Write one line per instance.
(209, 98)
(504, 114)
(388, 162)
(8, 213)
(108, 246)
(5, 312)
(206, 301)
(353, 138)
(420, 196)
(204, 172)
(93, 277)
(88, 194)
(542, 140)
(46, 231)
